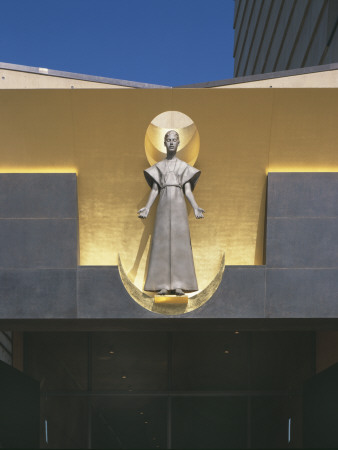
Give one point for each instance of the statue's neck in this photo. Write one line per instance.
(171, 156)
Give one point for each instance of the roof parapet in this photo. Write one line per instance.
(79, 76)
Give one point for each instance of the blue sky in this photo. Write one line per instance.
(169, 42)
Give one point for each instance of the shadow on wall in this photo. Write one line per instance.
(148, 226)
(260, 252)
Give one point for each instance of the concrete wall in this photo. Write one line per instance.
(14, 76)
(328, 79)
(39, 244)
(324, 76)
(299, 280)
(14, 79)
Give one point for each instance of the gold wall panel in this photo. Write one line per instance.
(305, 139)
(100, 135)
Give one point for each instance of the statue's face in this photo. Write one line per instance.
(171, 142)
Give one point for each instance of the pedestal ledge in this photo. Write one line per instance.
(171, 299)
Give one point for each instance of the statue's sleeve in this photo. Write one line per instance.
(152, 174)
(190, 174)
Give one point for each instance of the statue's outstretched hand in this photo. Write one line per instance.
(143, 213)
(199, 213)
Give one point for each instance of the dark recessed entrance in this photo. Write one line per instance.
(171, 389)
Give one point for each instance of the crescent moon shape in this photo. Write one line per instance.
(194, 302)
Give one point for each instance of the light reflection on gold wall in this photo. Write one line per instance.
(100, 135)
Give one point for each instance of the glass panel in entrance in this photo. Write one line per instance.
(209, 422)
(210, 361)
(170, 389)
(129, 361)
(64, 422)
(276, 421)
(129, 422)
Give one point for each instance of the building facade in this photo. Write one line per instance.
(109, 372)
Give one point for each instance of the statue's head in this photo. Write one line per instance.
(171, 141)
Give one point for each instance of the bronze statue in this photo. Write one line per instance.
(171, 265)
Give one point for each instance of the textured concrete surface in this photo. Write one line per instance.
(302, 293)
(38, 220)
(101, 294)
(302, 195)
(38, 196)
(302, 242)
(241, 294)
(39, 293)
(45, 243)
(302, 220)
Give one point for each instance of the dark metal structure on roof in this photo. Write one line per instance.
(276, 35)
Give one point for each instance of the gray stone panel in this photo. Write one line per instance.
(302, 195)
(98, 293)
(43, 243)
(302, 293)
(37, 294)
(38, 195)
(302, 242)
(101, 295)
(241, 294)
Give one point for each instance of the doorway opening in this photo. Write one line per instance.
(170, 389)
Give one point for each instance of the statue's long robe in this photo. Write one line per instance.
(171, 264)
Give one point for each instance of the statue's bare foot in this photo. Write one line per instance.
(162, 292)
(179, 291)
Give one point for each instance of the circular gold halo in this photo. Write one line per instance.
(172, 120)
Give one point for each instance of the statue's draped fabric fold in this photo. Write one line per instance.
(171, 264)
